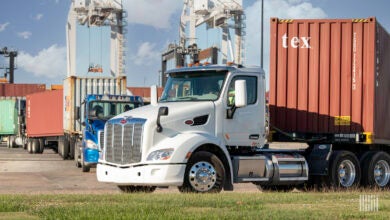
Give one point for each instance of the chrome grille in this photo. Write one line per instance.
(123, 141)
(101, 139)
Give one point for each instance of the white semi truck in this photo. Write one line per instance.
(207, 132)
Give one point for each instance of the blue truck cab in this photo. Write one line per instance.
(99, 109)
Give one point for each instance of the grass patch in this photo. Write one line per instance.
(313, 205)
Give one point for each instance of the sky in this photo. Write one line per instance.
(36, 29)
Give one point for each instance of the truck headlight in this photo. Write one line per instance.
(163, 154)
(92, 145)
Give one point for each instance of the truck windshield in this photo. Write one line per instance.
(193, 86)
(107, 110)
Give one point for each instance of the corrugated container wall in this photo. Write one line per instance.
(75, 91)
(44, 114)
(20, 90)
(8, 116)
(330, 76)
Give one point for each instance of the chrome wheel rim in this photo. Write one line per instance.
(382, 173)
(346, 173)
(202, 176)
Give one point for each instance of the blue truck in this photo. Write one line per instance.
(97, 110)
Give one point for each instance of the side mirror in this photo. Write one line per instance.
(153, 95)
(162, 111)
(240, 94)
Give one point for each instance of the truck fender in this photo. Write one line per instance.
(185, 144)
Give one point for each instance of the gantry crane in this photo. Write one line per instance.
(216, 14)
(11, 68)
(97, 13)
(223, 14)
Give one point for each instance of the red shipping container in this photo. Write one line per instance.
(44, 114)
(330, 76)
(20, 90)
(144, 91)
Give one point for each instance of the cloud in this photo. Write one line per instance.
(155, 13)
(3, 26)
(272, 8)
(146, 54)
(38, 17)
(25, 34)
(49, 62)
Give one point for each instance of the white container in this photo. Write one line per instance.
(77, 88)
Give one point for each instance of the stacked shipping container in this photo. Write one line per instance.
(330, 76)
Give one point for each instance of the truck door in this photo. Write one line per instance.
(247, 127)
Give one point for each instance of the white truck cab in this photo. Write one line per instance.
(204, 134)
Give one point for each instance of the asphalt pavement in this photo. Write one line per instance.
(48, 173)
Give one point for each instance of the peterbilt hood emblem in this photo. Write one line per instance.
(124, 120)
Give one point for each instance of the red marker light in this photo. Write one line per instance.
(189, 122)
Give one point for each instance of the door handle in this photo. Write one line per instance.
(254, 137)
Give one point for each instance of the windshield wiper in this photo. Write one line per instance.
(187, 98)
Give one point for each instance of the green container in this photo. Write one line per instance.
(8, 116)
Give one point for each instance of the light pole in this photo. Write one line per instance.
(262, 35)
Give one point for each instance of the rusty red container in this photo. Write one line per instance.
(44, 114)
(330, 76)
(20, 90)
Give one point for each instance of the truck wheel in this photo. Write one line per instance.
(72, 145)
(41, 145)
(77, 154)
(204, 173)
(35, 146)
(24, 143)
(29, 146)
(65, 149)
(84, 167)
(376, 170)
(344, 170)
(137, 189)
(12, 141)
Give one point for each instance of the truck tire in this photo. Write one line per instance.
(41, 145)
(65, 149)
(376, 170)
(137, 189)
(77, 154)
(344, 170)
(72, 145)
(35, 146)
(204, 173)
(29, 146)
(24, 143)
(84, 167)
(11, 141)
